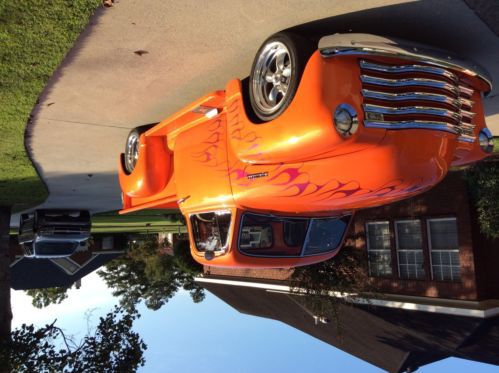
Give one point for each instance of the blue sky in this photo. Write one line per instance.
(210, 336)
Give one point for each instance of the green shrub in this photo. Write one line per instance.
(483, 180)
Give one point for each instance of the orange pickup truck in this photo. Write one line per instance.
(269, 171)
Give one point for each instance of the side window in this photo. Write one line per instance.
(325, 234)
(256, 233)
(295, 232)
(272, 236)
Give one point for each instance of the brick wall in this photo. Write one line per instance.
(447, 199)
(267, 274)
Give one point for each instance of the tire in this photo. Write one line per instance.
(276, 73)
(132, 145)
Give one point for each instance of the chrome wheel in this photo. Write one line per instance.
(132, 150)
(271, 77)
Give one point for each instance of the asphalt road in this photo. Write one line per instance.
(103, 88)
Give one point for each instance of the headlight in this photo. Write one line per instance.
(345, 120)
(486, 140)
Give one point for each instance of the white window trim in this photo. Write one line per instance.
(428, 231)
(397, 246)
(64, 269)
(376, 250)
(405, 302)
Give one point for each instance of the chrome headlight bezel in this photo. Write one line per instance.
(486, 140)
(345, 120)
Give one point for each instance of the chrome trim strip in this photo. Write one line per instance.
(468, 132)
(409, 82)
(416, 124)
(418, 96)
(365, 44)
(367, 65)
(466, 138)
(425, 110)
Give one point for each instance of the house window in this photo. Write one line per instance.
(444, 249)
(409, 249)
(378, 248)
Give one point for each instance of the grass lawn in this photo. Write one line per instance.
(496, 145)
(34, 38)
(146, 221)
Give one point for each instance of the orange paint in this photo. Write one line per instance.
(294, 167)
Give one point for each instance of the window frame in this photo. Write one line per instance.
(430, 250)
(309, 225)
(395, 222)
(377, 250)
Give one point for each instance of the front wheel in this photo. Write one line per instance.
(276, 73)
(132, 147)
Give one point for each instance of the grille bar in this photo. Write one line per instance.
(417, 110)
(416, 96)
(410, 82)
(466, 102)
(366, 65)
(413, 124)
(465, 90)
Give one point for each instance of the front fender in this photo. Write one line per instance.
(152, 171)
(305, 130)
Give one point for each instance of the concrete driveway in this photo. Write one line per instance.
(105, 86)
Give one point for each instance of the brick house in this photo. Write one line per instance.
(426, 246)
(393, 339)
(429, 245)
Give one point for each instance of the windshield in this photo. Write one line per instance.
(55, 248)
(270, 235)
(211, 230)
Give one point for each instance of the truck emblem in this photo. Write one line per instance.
(257, 175)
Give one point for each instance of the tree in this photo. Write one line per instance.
(147, 273)
(112, 347)
(183, 258)
(328, 284)
(44, 297)
(483, 180)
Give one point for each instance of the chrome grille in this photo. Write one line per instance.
(416, 96)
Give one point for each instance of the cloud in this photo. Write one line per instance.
(70, 314)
